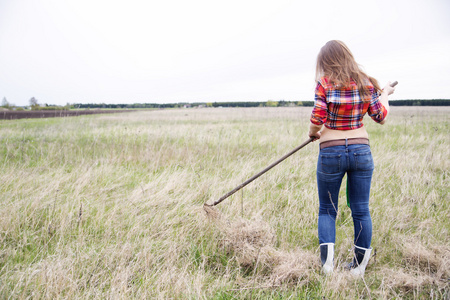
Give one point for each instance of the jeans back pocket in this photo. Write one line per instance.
(364, 161)
(330, 163)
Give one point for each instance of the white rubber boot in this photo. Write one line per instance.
(326, 256)
(360, 261)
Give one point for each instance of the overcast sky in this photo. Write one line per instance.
(89, 51)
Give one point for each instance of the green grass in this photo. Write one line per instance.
(110, 206)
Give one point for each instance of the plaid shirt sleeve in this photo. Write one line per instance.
(319, 113)
(376, 109)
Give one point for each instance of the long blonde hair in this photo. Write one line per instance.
(336, 62)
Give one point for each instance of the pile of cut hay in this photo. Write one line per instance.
(252, 244)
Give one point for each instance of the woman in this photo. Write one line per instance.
(344, 94)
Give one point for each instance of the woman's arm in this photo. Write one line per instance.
(319, 113)
(314, 131)
(387, 90)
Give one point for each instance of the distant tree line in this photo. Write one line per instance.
(417, 102)
(121, 106)
(269, 103)
(34, 105)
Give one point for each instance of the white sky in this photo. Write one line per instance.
(165, 51)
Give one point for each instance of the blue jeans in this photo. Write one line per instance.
(333, 163)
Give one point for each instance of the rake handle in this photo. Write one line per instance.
(260, 173)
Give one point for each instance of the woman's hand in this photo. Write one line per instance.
(314, 131)
(389, 89)
(315, 136)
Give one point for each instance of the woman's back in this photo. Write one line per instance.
(342, 109)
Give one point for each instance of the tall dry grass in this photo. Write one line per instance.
(111, 207)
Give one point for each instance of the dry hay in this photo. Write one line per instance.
(211, 212)
(421, 266)
(434, 260)
(295, 266)
(252, 243)
(399, 278)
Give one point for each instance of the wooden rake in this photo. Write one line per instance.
(206, 205)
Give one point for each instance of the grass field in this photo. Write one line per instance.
(110, 206)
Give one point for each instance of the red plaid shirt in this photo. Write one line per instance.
(343, 109)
